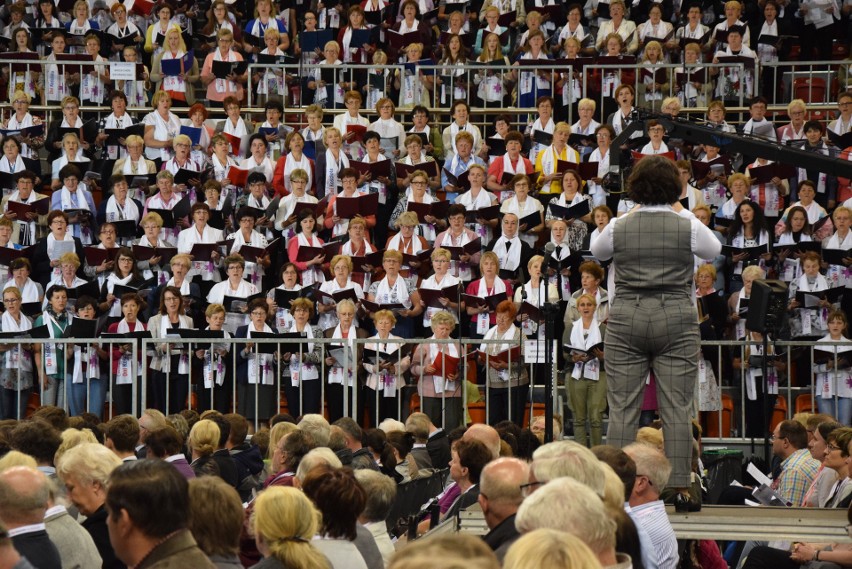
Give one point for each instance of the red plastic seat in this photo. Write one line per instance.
(809, 89)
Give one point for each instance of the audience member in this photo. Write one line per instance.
(148, 506)
(24, 495)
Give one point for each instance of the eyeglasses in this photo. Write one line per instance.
(832, 447)
(527, 489)
(11, 300)
(258, 313)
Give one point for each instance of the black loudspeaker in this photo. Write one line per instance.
(767, 306)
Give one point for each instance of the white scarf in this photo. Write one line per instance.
(29, 292)
(183, 363)
(398, 293)
(125, 364)
(51, 245)
(590, 369)
(165, 130)
(483, 320)
(214, 364)
(18, 166)
(84, 234)
(286, 207)
(184, 286)
(138, 168)
(27, 233)
(455, 129)
(509, 260)
(440, 384)
(336, 373)
(508, 338)
(386, 380)
(93, 366)
(291, 164)
(117, 212)
(460, 270)
(314, 274)
(482, 200)
(13, 356)
(332, 170)
(49, 351)
(819, 285)
(550, 157)
(831, 381)
(302, 371)
(112, 280)
(260, 365)
(225, 86)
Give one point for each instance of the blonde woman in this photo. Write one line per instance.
(550, 549)
(587, 385)
(179, 87)
(202, 442)
(440, 388)
(232, 86)
(550, 180)
(384, 379)
(284, 523)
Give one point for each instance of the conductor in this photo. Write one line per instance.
(653, 322)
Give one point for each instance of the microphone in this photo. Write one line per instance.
(548, 257)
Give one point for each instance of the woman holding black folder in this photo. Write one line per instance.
(311, 270)
(122, 365)
(748, 229)
(16, 371)
(289, 283)
(797, 229)
(384, 369)
(344, 382)
(300, 373)
(231, 85)
(170, 364)
(587, 385)
(125, 274)
(529, 210)
(30, 290)
(21, 119)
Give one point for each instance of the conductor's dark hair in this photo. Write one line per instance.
(655, 180)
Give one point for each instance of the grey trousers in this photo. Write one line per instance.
(658, 332)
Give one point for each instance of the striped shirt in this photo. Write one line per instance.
(653, 519)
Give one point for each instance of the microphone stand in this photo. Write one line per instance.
(551, 311)
(521, 337)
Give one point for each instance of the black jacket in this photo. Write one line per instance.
(438, 447)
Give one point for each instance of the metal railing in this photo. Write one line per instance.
(52, 389)
(728, 424)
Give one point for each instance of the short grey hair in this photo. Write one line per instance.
(567, 505)
(317, 456)
(392, 425)
(568, 458)
(381, 493)
(317, 428)
(651, 463)
(87, 463)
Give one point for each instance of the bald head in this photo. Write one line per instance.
(485, 434)
(500, 488)
(24, 492)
